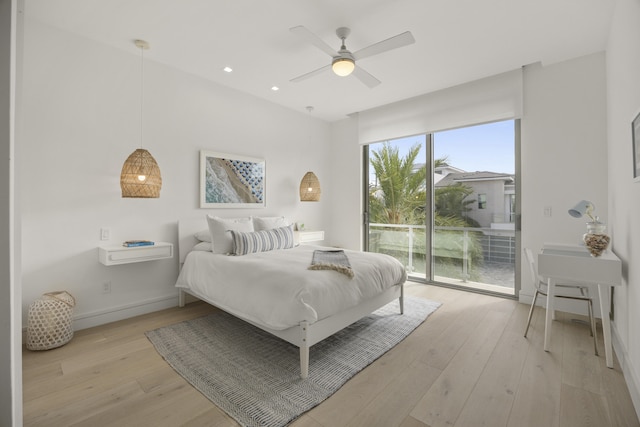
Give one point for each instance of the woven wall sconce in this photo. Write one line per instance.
(140, 176)
(310, 188)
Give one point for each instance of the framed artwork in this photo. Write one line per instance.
(230, 181)
(635, 129)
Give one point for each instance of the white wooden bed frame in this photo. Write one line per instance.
(303, 335)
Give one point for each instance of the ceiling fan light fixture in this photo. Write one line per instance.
(343, 62)
(343, 66)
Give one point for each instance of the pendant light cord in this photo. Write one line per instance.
(141, 90)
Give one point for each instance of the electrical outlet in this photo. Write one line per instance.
(106, 288)
(105, 234)
(547, 211)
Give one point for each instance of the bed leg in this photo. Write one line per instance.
(304, 351)
(182, 296)
(304, 362)
(402, 298)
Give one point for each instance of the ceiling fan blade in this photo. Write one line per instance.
(365, 77)
(307, 35)
(394, 42)
(311, 74)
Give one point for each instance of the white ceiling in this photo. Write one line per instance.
(456, 41)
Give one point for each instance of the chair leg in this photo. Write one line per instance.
(533, 304)
(592, 322)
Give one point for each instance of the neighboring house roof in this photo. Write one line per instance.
(446, 169)
(453, 178)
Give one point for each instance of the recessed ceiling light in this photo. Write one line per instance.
(274, 88)
(228, 69)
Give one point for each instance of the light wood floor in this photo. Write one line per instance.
(467, 365)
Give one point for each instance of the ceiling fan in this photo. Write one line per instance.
(343, 62)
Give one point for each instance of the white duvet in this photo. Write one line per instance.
(275, 289)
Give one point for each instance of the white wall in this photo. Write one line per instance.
(623, 103)
(81, 113)
(6, 247)
(11, 348)
(346, 182)
(563, 152)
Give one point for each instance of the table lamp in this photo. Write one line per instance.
(583, 207)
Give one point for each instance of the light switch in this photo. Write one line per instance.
(105, 234)
(547, 211)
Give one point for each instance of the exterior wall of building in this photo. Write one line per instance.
(495, 206)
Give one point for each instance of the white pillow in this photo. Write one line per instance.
(203, 235)
(268, 222)
(220, 232)
(202, 246)
(262, 241)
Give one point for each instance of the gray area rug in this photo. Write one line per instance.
(255, 377)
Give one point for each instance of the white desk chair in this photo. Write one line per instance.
(574, 291)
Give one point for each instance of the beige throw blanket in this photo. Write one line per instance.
(331, 260)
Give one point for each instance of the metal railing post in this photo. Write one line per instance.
(465, 256)
(410, 266)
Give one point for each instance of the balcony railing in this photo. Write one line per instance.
(461, 254)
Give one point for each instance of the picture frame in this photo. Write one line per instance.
(231, 181)
(635, 132)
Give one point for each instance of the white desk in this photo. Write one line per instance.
(574, 263)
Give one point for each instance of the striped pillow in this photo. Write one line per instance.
(261, 241)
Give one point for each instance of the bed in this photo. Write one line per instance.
(275, 291)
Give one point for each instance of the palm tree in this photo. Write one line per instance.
(399, 197)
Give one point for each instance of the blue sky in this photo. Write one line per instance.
(488, 147)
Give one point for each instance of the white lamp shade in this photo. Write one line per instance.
(343, 66)
(583, 206)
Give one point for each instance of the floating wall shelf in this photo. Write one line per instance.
(115, 255)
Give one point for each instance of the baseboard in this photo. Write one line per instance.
(630, 375)
(113, 314)
(526, 298)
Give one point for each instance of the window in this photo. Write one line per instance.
(482, 201)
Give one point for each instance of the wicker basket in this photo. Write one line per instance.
(50, 321)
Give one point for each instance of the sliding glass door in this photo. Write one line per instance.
(397, 201)
(445, 205)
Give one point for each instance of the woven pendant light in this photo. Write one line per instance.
(310, 188)
(140, 176)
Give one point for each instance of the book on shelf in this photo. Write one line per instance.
(134, 243)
